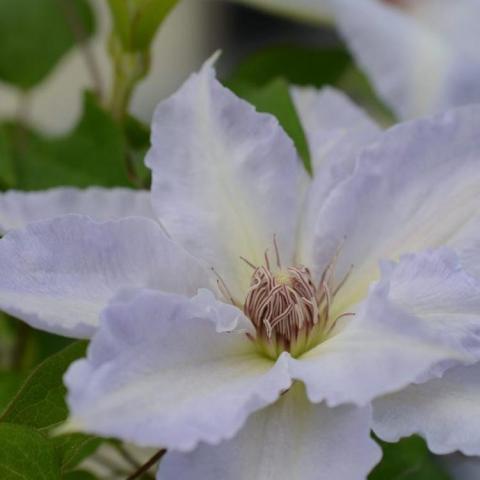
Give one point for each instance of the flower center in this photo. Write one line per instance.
(289, 312)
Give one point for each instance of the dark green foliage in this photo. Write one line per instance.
(35, 34)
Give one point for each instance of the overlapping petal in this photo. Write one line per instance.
(292, 439)
(446, 411)
(225, 178)
(415, 188)
(17, 209)
(334, 126)
(58, 274)
(159, 373)
(421, 318)
(334, 141)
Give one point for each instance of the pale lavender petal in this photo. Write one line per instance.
(58, 274)
(422, 57)
(417, 187)
(158, 373)
(445, 411)
(334, 141)
(225, 178)
(292, 439)
(421, 318)
(17, 209)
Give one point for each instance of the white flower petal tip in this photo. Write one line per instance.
(210, 62)
(159, 374)
(57, 275)
(243, 182)
(292, 439)
(445, 411)
(17, 209)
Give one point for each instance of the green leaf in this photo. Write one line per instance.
(275, 98)
(92, 154)
(35, 34)
(40, 401)
(121, 20)
(150, 15)
(138, 139)
(298, 65)
(136, 23)
(9, 384)
(356, 84)
(316, 67)
(7, 172)
(408, 459)
(26, 454)
(73, 448)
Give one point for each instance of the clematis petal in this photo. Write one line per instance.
(446, 411)
(159, 374)
(416, 188)
(334, 141)
(58, 274)
(434, 286)
(17, 209)
(292, 439)
(337, 136)
(421, 318)
(420, 56)
(225, 178)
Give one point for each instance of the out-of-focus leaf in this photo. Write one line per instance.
(356, 84)
(297, 65)
(150, 15)
(7, 174)
(315, 67)
(79, 475)
(138, 139)
(408, 459)
(35, 34)
(26, 454)
(135, 23)
(22, 347)
(73, 448)
(9, 384)
(92, 154)
(40, 401)
(275, 98)
(119, 11)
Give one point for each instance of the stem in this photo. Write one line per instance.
(23, 334)
(126, 455)
(78, 30)
(146, 466)
(129, 68)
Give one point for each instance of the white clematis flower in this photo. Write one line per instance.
(421, 55)
(250, 332)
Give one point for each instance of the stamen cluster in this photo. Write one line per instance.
(282, 304)
(289, 312)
